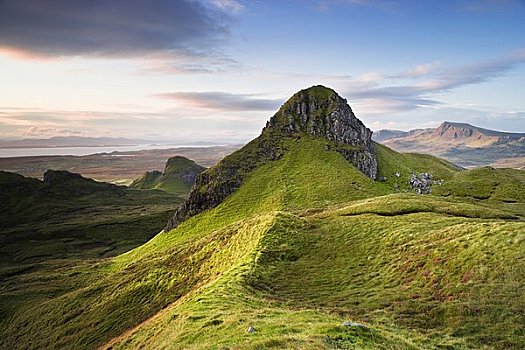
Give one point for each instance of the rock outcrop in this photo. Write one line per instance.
(179, 176)
(59, 177)
(183, 169)
(318, 112)
(321, 112)
(218, 182)
(422, 183)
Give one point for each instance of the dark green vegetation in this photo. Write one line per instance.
(178, 177)
(304, 244)
(63, 221)
(67, 215)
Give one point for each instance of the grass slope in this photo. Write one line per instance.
(306, 243)
(48, 228)
(178, 177)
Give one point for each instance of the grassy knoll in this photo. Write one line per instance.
(178, 177)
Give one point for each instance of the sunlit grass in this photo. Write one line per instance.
(306, 243)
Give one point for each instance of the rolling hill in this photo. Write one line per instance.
(66, 215)
(461, 143)
(178, 177)
(309, 237)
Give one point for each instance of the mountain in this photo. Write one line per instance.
(461, 143)
(316, 112)
(72, 141)
(310, 237)
(383, 135)
(178, 176)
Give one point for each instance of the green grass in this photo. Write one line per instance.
(177, 178)
(505, 185)
(49, 230)
(306, 243)
(391, 162)
(310, 274)
(76, 217)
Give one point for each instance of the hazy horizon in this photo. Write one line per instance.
(214, 70)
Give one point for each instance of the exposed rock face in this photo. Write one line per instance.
(321, 112)
(215, 184)
(183, 169)
(179, 172)
(317, 111)
(422, 183)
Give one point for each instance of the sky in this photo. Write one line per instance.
(216, 70)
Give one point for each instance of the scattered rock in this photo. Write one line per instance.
(251, 330)
(349, 324)
(382, 178)
(398, 174)
(422, 183)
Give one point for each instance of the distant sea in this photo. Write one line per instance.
(83, 151)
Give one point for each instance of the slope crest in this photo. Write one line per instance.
(317, 112)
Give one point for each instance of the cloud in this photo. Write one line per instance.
(475, 73)
(230, 6)
(222, 101)
(425, 82)
(46, 131)
(420, 70)
(177, 124)
(189, 65)
(114, 28)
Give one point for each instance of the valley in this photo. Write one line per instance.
(117, 167)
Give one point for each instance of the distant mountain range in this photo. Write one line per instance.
(464, 144)
(72, 141)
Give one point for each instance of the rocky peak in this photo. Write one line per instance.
(317, 111)
(177, 163)
(321, 112)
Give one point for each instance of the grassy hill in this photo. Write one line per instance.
(178, 177)
(306, 243)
